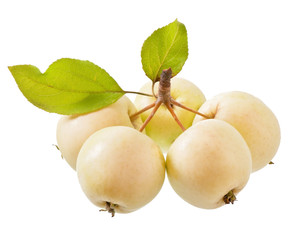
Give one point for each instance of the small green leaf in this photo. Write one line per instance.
(69, 86)
(166, 47)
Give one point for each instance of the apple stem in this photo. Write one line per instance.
(175, 117)
(229, 197)
(143, 110)
(156, 106)
(57, 147)
(188, 109)
(109, 208)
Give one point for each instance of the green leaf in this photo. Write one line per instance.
(166, 47)
(69, 86)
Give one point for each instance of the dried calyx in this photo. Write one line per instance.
(229, 198)
(109, 207)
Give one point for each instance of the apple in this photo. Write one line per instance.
(73, 130)
(120, 169)
(162, 128)
(252, 118)
(209, 164)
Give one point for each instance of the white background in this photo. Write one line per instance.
(253, 46)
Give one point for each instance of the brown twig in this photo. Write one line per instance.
(164, 97)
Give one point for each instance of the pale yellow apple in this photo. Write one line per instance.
(121, 166)
(162, 128)
(207, 161)
(252, 118)
(72, 131)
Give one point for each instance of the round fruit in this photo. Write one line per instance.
(252, 118)
(209, 164)
(72, 131)
(162, 128)
(120, 169)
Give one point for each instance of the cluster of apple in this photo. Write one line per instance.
(211, 146)
(118, 148)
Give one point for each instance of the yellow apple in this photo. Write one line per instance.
(120, 169)
(252, 118)
(209, 164)
(162, 128)
(72, 131)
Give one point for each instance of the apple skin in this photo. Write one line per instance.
(252, 118)
(122, 166)
(73, 130)
(162, 128)
(207, 161)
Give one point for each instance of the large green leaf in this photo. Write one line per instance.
(69, 86)
(166, 47)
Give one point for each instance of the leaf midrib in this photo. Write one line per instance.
(74, 91)
(156, 77)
